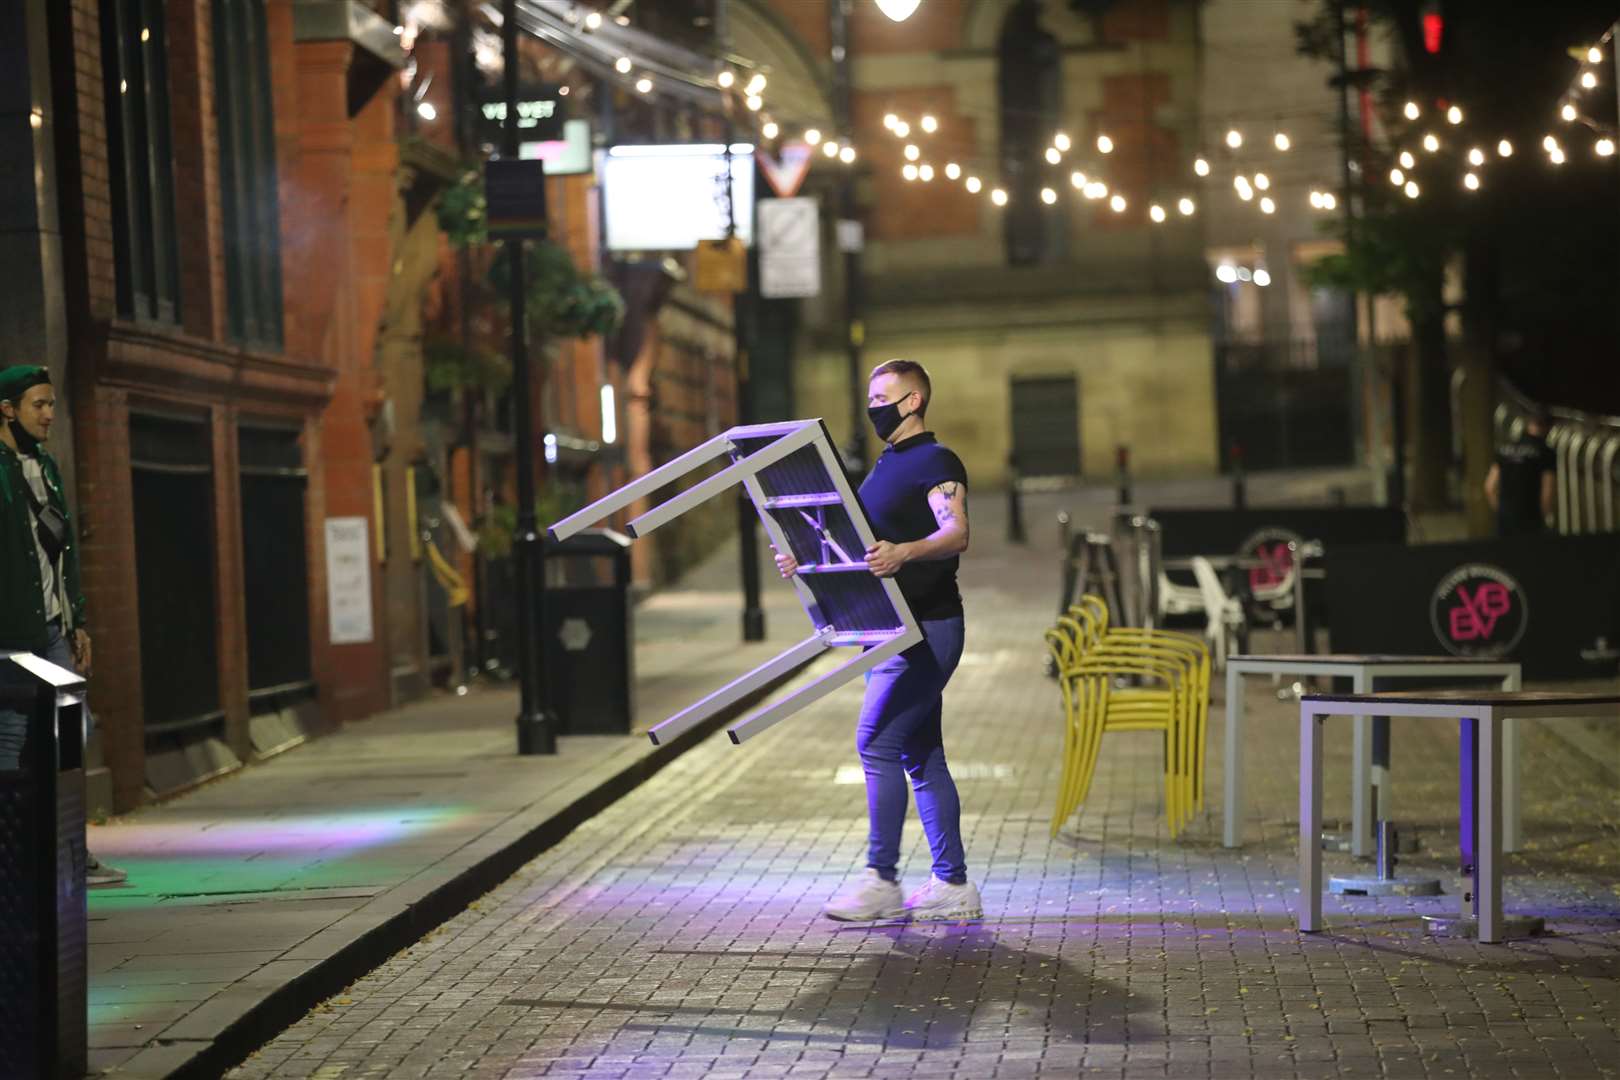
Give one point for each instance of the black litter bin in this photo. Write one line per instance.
(586, 637)
(43, 917)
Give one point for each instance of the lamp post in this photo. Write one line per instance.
(854, 282)
(536, 727)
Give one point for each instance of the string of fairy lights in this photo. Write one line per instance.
(1430, 140)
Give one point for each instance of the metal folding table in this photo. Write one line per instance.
(1484, 716)
(1365, 672)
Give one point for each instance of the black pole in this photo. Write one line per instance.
(854, 281)
(536, 729)
(753, 616)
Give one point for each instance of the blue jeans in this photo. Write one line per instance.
(899, 737)
(14, 725)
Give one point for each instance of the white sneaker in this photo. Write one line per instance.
(865, 898)
(942, 900)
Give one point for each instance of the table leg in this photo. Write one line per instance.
(1468, 809)
(1310, 820)
(1232, 825)
(1510, 774)
(1489, 832)
(1361, 808)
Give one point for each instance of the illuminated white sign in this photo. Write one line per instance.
(667, 198)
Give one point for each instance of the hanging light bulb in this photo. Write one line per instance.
(1329, 200)
(973, 185)
(847, 155)
(952, 170)
(725, 79)
(1281, 141)
(1200, 166)
(898, 10)
(1604, 148)
(1186, 207)
(1556, 156)
(912, 152)
(1407, 160)
(1454, 115)
(812, 135)
(1411, 189)
(925, 173)
(756, 85)
(1588, 80)
(1568, 113)
(1316, 199)
(1262, 181)
(1431, 143)
(998, 197)
(593, 21)
(622, 65)
(830, 148)
(1412, 112)
(1061, 141)
(1549, 144)
(770, 129)
(754, 102)
(1226, 273)
(1105, 145)
(1262, 277)
(889, 120)
(1234, 138)
(426, 111)
(1156, 212)
(1096, 190)
(1052, 155)
(644, 85)
(1267, 206)
(1476, 157)
(1471, 181)
(1117, 204)
(1078, 180)
(901, 129)
(1504, 149)
(1397, 177)
(1048, 196)
(928, 123)
(1594, 55)
(909, 171)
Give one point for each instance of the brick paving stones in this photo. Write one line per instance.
(678, 934)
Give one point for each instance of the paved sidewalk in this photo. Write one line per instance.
(252, 898)
(678, 934)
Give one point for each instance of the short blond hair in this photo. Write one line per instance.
(912, 371)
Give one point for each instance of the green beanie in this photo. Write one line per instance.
(15, 380)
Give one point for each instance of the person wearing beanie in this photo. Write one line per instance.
(41, 604)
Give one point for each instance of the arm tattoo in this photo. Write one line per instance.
(944, 512)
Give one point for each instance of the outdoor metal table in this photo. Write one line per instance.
(1363, 670)
(1484, 716)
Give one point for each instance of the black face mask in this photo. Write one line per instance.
(886, 419)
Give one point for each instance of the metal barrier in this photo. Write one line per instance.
(1586, 449)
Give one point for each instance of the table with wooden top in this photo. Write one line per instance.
(1483, 717)
(1365, 672)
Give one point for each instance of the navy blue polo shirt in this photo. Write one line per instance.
(895, 497)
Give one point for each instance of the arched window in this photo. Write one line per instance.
(1029, 81)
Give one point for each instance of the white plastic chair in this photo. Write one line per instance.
(1224, 613)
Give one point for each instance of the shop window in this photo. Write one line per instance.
(140, 159)
(247, 172)
(275, 564)
(171, 464)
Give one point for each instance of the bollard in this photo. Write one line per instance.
(1240, 494)
(1015, 505)
(1122, 465)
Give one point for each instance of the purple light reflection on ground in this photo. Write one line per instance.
(290, 835)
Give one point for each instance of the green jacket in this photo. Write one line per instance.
(22, 595)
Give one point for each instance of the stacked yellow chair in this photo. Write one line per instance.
(1128, 679)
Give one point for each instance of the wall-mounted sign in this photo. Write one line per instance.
(348, 581)
(789, 248)
(515, 198)
(541, 110)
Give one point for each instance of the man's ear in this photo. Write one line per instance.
(8, 409)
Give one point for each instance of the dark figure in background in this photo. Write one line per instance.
(1521, 484)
